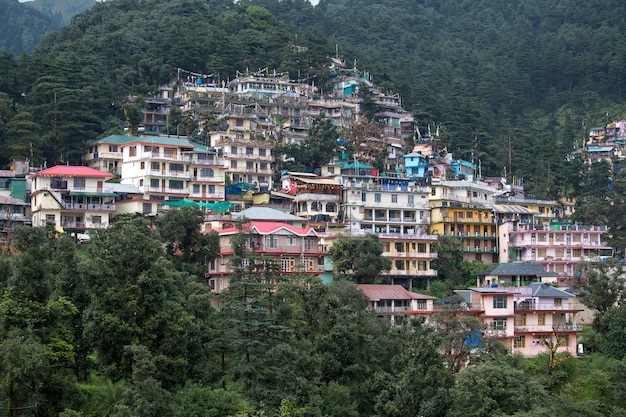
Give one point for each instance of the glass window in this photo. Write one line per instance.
(394, 198)
(499, 301)
(177, 167)
(154, 183)
(541, 319)
(176, 184)
(206, 173)
(377, 197)
(499, 323)
(132, 151)
(520, 342)
(411, 199)
(196, 188)
(363, 197)
(79, 183)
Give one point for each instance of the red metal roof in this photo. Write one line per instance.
(266, 228)
(376, 292)
(71, 171)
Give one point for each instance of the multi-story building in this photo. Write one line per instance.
(106, 154)
(462, 209)
(248, 157)
(293, 249)
(556, 246)
(75, 198)
(207, 181)
(396, 302)
(545, 318)
(158, 166)
(315, 198)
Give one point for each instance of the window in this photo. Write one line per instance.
(363, 197)
(211, 189)
(421, 247)
(520, 342)
(331, 207)
(272, 241)
(142, 165)
(541, 319)
(563, 340)
(233, 164)
(331, 170)
(96, 219)
(499, 301)
(263, 166)
(377, 198)
(132, 151)
(154, 183)
(196, 188)
(79, 183)
(249, 151)
(291, 240)
(422, 266)
(499, 323)
(50, 218)
(212, 284)
(558, 302)
(421, 304)
(394, 198)
(411, 199)
(177, 167)
(287, 263)
(154, 166)
(206, 173)
(316, 206)
(262, 152)
(239, 122)
(112, 148)
(233, 150)
(176, 184)
(520, 320)
(146, 208)
(249, 165)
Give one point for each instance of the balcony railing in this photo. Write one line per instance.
(551, 329)
(400, 309)
(411, 272)
(88, 207)
(521, 306)
(169, 173)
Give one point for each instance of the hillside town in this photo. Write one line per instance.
(417, 194)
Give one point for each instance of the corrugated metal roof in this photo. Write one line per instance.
(507, 208)
(518, 268)
(71, 171)
(543, 290)
(376, 292)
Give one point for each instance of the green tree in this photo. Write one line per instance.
(494, 389)
(185, 241)
(360, 258)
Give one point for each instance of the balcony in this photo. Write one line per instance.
(549, 329)
(164, 156)
(410, 254)
(411, 273)
(528, 306)
(399, 309)
(88, 207)
(166, 190)
(169, 173)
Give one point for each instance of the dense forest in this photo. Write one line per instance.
(22, 25)
(124, 326)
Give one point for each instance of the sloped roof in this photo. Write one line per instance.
(71, 171)
(543, 290)
(508, 208)
(113, 139)
(12, 201)
(267, 213)
(518, 268)
(377, 292)
(267, 228)
(162, 140)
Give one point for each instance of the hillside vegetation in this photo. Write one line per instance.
(517, 84)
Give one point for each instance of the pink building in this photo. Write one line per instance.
(293, 249)
(557, 246)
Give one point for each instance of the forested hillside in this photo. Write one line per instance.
(518, 83)
(21, 27)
